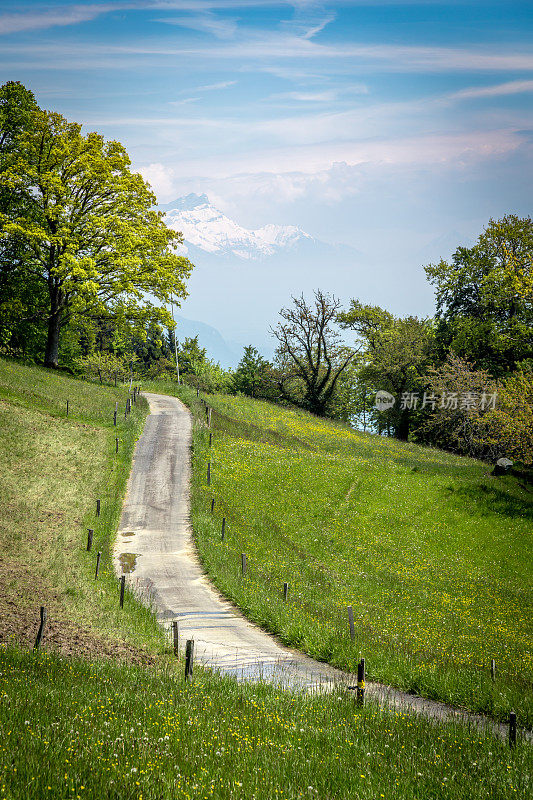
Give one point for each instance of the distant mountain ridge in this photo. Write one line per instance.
(207, 229)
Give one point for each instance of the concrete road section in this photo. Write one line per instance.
(155, 549)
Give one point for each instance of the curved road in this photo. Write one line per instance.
(155, 549)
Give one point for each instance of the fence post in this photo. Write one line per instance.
(285, 591)
(512, 729)
(350, 620)
(116, 444)
(189, 658)
(243, 563)
(210, 439)
(98, 557)
(115, 418)
(209, 473)
(89, 539)
(493, 669)
(212, 505)
(67, 408)
(361, 682)
(98, 508)
(122, 587)
(223, 528)
(41, 629)
(175, 638)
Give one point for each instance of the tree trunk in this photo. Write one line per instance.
(51, 355)
(402, 431)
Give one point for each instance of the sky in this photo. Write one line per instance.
(393, 127)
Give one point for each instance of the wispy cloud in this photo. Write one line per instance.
(48, 18)
(206, 22)
(209, 87)
(499, 90)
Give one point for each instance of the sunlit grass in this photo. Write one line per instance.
(79, 730)
(432, 553)
(54, 468)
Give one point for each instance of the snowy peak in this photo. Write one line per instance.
(205, 227)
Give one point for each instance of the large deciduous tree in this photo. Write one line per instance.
(485, 297)
(310, 352)
(396, 353)
(92, 240)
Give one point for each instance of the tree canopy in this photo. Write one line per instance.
(485, 297)
(82, 223)
(310, 352)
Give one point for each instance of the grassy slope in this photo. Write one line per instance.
(75, 729)
(433, 554)
(53, 469)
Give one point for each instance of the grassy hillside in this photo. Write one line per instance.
(54, 468)
(73, 728)
(77, 730)
(432, 553)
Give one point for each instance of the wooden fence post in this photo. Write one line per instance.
(209, 473)
(115, 418)
(41, 629)
(122, 587)
(223, 529)
(212, 505)
(89, 539)
(243, 563)
(197, 392)
(98, 508)
(116, 444)
(67, 408)
(493, 669)
(210, 439)
(285, 591)
(175, 638)
(512, 729)
(97, 570)
(189, 658)
(209, 424)
(350, 620)
(361, 682)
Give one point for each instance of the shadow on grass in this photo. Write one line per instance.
(493, 500)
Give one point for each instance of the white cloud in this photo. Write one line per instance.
(160, 179)
(499, 90)
(49, 18)
(206, 22)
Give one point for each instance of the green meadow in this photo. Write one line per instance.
(102, 710)
(432, 552)
(73, 729)
(54, 468)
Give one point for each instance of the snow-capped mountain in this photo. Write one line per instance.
(206, 228)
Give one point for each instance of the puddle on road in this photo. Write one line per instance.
(128, 561)
(127, 534)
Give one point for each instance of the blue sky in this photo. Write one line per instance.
(383, 125)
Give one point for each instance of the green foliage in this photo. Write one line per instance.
(485, 297)
(396, 353)
(455, 424)
(508, 429)
(310, 357)
(92, 239)
(252, 374)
